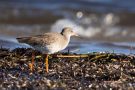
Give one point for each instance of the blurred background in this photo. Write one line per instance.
(104, 25)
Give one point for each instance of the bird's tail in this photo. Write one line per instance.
(23, 39)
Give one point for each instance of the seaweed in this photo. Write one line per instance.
(78, 71)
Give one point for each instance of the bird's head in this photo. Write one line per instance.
(68, 31)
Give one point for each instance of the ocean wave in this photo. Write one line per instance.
(89, 27)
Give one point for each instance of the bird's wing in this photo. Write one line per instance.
(51, 37)
(30, 40)
(45, 39)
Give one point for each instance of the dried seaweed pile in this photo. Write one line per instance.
(97, 71)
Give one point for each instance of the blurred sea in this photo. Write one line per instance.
(104, 25)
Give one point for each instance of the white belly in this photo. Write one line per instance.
(56, 47)
(51, 48)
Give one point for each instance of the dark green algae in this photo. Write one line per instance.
(101, 71)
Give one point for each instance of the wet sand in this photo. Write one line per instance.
(98, 71)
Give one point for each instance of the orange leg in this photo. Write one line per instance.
(31, 65)
(46, 62)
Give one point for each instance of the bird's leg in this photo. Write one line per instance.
(32, 61)
(46, 62)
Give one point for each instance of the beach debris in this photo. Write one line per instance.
(79, 71)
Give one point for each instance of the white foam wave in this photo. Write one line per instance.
(86, 32)
(105, 29)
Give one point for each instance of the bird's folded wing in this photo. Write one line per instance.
(45, 39)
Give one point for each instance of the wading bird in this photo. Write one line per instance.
(49, 43)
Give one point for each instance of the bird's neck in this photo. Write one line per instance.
(67, 37)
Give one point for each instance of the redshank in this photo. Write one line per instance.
(49, 43)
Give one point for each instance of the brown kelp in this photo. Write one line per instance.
(79, 71)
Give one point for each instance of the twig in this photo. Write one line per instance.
(72, 56)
